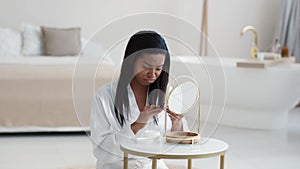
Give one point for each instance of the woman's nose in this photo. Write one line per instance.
(151, 73)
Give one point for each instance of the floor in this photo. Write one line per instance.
(249, 149)
(258, 149)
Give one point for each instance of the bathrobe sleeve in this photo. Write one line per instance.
(106, 134)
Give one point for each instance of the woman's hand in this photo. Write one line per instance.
(147, 113)
(176, 120)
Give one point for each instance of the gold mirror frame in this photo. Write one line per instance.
(178, 82)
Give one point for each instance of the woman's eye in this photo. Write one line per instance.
(148, 68)
(159, 68)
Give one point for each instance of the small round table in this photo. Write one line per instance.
(207, 147)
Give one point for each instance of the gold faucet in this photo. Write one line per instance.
(254, 49)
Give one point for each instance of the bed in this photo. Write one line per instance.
(36, 93)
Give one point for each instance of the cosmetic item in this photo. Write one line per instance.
(260, 56)
(148, 136)
(276, 47)
(285, 51)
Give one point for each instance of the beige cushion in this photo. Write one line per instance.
(61, 41)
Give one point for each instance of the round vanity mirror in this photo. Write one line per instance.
(183, 97)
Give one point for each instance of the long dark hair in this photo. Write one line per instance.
(140, 43)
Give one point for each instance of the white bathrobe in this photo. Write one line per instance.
(106, 133)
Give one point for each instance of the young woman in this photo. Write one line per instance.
(126, 108)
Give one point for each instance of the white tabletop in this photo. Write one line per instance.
(207, 147)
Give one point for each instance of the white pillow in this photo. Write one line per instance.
(32, 40)
(10, 42)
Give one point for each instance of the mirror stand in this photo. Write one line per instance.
(187, 93)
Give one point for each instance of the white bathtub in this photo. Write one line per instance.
(253, 98)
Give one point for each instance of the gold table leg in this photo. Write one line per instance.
(222, 161)
(154, 163)
(189, 163)
(125, 161)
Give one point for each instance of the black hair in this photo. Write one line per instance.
(140, 43)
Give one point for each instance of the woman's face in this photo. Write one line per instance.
(147, 68)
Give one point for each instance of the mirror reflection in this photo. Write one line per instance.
(183, 97)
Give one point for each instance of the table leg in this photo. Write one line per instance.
(222, 161)
(189, 163)
(154, 163)
(125, 161)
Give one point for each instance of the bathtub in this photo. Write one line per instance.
(241, 97)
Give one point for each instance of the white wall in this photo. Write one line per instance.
(227, 24)
(226, 17)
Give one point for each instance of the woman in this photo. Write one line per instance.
(126, 108)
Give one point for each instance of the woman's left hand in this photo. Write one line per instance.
(176, 120)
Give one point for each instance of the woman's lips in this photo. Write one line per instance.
(150, 80)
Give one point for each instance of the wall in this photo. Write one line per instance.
(226, 18)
